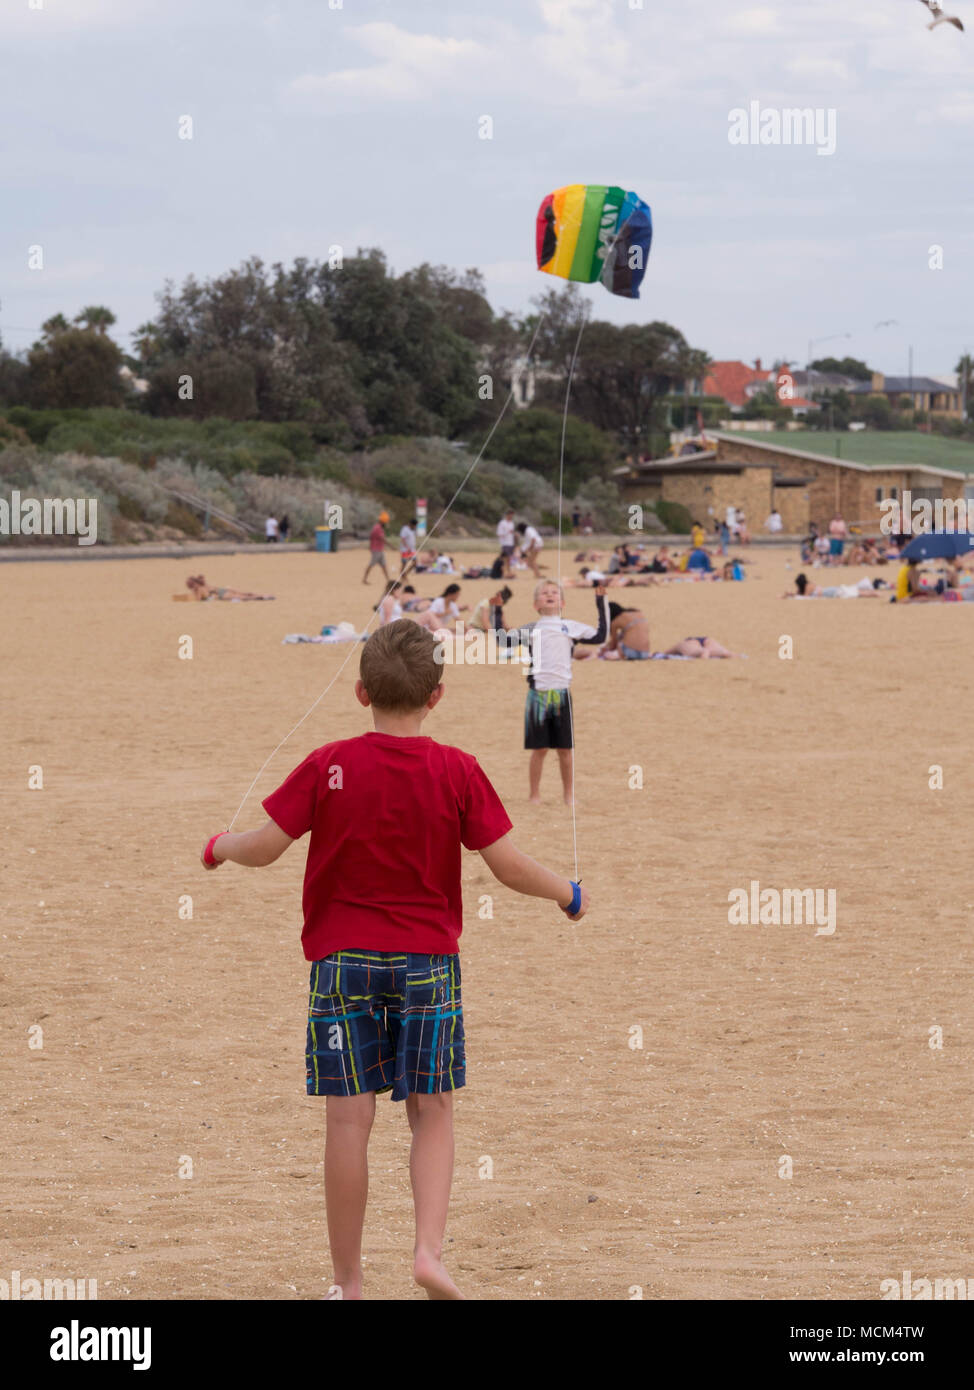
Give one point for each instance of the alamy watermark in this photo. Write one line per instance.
(788, 125)
(773, 907)
(474, 647)
(909, 515)
(50, 516)
(23, 1288)
(920, 1290)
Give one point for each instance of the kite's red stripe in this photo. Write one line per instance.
(541, 227)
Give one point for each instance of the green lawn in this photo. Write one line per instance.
(874, 446)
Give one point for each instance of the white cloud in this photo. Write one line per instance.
(598, 62)
(55, 273)
(807, 65)
(409, 67)
(64, 16)
(958, 109)
(758, 21)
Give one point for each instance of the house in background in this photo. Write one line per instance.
(734, 382)
(936, 395)
(923, 392)
(737, 384)
(741, 471)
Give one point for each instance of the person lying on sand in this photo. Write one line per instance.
(629, 640)
(202, 591)
(866, 588)
(588, 577)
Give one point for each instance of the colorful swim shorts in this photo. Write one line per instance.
(384, 1021)
(548, 719)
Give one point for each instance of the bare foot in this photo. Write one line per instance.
(569, 801)
(350, 1291)
(534, 800)
(430, 1275)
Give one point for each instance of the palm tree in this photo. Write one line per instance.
(146, 342)
(96, 318)
(55, 325)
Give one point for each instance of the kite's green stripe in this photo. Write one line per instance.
(585, 267)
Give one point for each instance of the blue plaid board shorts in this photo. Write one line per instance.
(385, 1021)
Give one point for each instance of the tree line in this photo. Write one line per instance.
(356, 354)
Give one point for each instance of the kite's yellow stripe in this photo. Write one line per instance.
(569, 205)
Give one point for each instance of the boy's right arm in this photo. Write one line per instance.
(255, 849)
(523, 874)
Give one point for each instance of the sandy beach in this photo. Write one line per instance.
(171, 1039)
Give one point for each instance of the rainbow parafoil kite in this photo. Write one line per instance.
(589, 231)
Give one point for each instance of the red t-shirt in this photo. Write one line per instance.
(377, 538)
(387, 817)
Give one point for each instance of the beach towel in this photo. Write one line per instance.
(343, 632)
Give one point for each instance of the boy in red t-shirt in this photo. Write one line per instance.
(388, 812)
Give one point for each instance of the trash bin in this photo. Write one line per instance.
(323, 538)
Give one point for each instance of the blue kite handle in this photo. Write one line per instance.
(576, 901)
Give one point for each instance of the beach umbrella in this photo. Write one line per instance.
(939, 545)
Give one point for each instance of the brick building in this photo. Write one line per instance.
(805, 487)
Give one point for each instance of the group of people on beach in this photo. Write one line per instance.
(626, 637)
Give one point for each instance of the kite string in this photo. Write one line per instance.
(561, 497)
(405, 570)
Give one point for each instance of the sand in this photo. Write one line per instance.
(616, 1168)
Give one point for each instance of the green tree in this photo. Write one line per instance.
(56, 324)
(835, 410)
(531, 439)
(764, 405)
(622, 374)
(96, 318)
(876, 411)
(13, 378)
(352, 349)
(74, 367)
(692, 364)
(843, 366)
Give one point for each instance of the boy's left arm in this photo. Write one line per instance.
(600, 633)
(253, 848)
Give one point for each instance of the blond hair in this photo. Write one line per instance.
(547, 584)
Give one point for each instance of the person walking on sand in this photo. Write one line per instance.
(377, 547)
(531, 546)
(407, 544)
(838, 531)
(389, 813)
(505, 537)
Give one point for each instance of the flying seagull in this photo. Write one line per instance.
(937, 10)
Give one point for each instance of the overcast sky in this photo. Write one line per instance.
(359, 126)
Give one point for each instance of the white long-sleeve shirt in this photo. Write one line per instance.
(552, 641)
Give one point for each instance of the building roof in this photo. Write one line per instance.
(826, 381)
(892, 384)
(729, 380)
(754, 442)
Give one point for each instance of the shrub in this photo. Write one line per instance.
(674, 516)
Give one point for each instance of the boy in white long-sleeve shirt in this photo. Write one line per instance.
(548, 709)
